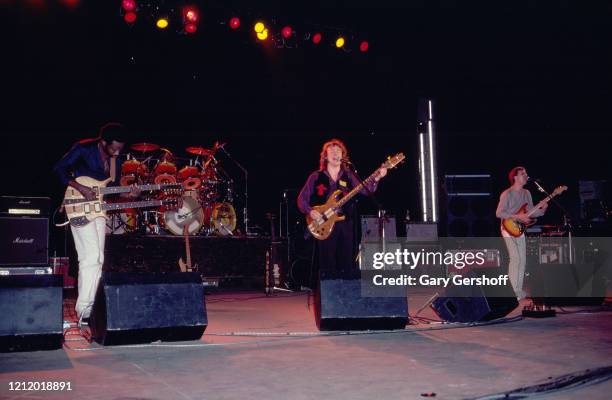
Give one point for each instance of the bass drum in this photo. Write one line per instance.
(190, 215)
(221, 219)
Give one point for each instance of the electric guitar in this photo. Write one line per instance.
(186, 266)
(517, 228)
(322, 228)
(81, 211)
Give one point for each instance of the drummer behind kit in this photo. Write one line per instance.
(204, 207)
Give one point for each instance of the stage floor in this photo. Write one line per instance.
(240, 357)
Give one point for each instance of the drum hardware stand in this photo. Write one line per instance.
(246, 191)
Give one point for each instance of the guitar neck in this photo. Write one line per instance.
(133, 204)
(127, 189)
(541, 202)
(355, 190)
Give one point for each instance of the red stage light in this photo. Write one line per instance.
(235, 23)
(316, 38)
(364, 46)
(191, 14)
(130, 17)
(71, 3)
(191, 28)
(129, 5)
(287, 32)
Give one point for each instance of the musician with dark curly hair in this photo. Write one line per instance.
(337, 252)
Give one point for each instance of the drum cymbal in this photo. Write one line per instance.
(200, 151)
(144, 147)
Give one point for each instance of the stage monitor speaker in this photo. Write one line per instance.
(32, 314)
(340, 306)
(142, 308)
(24, 241)
(421, 232)
(475, 303)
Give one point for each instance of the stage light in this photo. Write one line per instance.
(262, 35)
(128, 5)
(316, 38)
(259, 27)
(364, 46)
(191, 28)
(162, 23)
(191, 15)
(71, 3)
(234, 23)
(287, 32)
(130, 17)
(340, 42)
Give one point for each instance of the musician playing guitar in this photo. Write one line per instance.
(95, 158)
(336, 252)
(510, 207)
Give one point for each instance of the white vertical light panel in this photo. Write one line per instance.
(427, 161)
(422, 173)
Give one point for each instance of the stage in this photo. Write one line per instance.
(269, 347)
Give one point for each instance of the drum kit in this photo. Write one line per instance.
(207, 200)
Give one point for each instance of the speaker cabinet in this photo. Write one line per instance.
(568, 284)
(24, 241)
(475, 303)
(32, 316)
(340, 306)
(470, 216)
(142, 308)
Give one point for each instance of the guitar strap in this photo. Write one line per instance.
(113, 168)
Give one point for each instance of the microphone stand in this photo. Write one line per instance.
(382, 218)
(246, 190)
(566, 220)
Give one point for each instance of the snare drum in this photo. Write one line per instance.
(133, 167)
(189, 177)
(165, 167)
(131, 171)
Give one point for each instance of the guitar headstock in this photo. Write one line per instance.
(559, 190)
(392, 162)
(172, 203)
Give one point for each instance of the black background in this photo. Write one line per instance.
(514, 83)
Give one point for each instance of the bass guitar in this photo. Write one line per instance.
(322, 228)
(81, 211)
(517, 228)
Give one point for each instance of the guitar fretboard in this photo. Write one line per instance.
(127, 189)
(133, 204)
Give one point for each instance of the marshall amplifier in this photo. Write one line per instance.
(24, 241)
(25, 206)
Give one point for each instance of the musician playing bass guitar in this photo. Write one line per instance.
(336, 252)
(510, 207)
(98, 159)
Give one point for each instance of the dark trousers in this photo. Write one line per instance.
(337, 252)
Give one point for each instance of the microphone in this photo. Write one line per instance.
(346, 160)
(220, 146)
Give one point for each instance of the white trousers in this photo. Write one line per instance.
(517, 251)
(89, 243)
